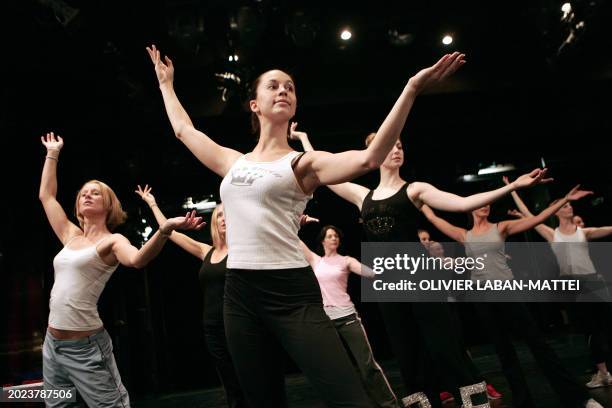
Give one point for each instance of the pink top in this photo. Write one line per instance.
(332, 273)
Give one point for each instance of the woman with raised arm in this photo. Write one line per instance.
(486, 241)
(332, 271)
(569, 243)
(212, 283)
(271, 294)
(390, 214)
(77, 352)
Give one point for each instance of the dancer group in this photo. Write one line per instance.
(265, 291)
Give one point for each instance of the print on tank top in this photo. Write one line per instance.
(246, 175)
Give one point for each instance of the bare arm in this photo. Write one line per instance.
(523, 224)
(195, 248)
(424, 193)
(353, 193)
(597, 232)
(130, 256)
(321, 168)
(217, 158)
(544, 230)
(448, 229)
(61, 225)
(310, 256)
(360, 269)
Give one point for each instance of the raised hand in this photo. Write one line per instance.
(188, 222)
(537, 176)
(576, 194)
(515, 213)
(145, 194)
(506, 180)
(52, 142)
(295, 134)
(164, 71)
(306, 219)
(445, 67)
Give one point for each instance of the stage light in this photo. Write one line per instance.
(566, 8)
(203, 206)
(496, 168)
(346, 35)
(447, 40)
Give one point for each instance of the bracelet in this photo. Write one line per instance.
(153, 205)
(164, 234)
(51, 157)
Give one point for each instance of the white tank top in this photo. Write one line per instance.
(80, 277)
(263, 202)
(572, 253)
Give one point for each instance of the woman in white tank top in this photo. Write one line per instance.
(77, 352)
(569, 243)
(271, 295)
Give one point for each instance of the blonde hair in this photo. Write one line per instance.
(115, 215)
(214, 228)
(369, 139)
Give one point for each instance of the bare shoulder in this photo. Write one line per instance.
(414, 190)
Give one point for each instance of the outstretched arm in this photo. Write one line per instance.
(544, 230)
(597, 232)
(195, 248)
(217, 158)
(130, 256)
(424, 193)
(517, 226)
(63, 228)
(360, 269)
(323, 168)
(351, 192)
(453, 232)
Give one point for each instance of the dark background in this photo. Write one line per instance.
(80, 68)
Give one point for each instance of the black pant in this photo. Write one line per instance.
(268, 309)
(515, 319)
(355, 339)
(430, 356)
(595, 319)
(214, 334)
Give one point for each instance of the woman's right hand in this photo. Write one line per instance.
(164, 72)
(52, 142)
(145, 194)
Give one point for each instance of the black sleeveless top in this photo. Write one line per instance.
(212, 283)
(393, 219)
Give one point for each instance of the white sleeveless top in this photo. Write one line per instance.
(263, 202)
(572, 253)
(80, 277)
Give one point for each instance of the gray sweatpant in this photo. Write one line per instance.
(86, 364)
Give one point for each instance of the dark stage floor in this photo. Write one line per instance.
(572, 349)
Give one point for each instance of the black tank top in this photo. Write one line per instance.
(212, 282)
(393, 219)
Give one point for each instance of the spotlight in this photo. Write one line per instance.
(496, 168)
(447, 40)
(201, 206)
(346, 35)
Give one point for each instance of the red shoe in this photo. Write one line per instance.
(492, 393)
(446, 396)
